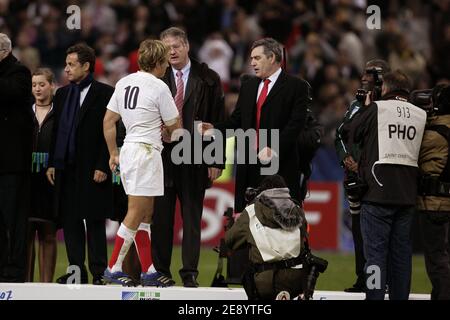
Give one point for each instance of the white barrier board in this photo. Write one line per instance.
(53, 291)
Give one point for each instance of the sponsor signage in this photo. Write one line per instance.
(140, 295)
(322, 208)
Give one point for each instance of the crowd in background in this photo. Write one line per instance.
(327, 42)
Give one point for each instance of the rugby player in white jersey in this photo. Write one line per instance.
(144, 103)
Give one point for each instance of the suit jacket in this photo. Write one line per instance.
(94, 200)
(16, 117)
(284, 109)
(203, 101)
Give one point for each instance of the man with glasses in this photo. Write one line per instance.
(198, 95)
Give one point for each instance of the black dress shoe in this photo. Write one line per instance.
(190, 282)
(63, 279)
(11, 280)
(355, 288)
(98, 280)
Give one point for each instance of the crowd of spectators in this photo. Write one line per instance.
(327, 42)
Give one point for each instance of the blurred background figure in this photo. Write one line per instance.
(404, 58)
(115, 70)
(217, 54)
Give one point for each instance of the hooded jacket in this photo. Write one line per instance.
(276, 216)
(273, 209)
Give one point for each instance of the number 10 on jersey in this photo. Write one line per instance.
(131, 96)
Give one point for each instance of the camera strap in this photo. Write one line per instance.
(432, 186)
(282, 264)
(219, 279)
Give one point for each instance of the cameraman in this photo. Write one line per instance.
(274, 228)
(433, 204)
(349, 153)
(390, 133)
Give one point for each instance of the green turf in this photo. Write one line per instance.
(339, 275)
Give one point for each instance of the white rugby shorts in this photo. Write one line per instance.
(141, 170)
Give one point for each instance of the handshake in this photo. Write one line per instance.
(265, 155)
(170, 137)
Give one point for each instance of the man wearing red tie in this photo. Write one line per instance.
(273, 100)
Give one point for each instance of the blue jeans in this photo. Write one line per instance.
(386, 232)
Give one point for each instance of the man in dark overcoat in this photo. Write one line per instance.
(16, 129)
(78, 164)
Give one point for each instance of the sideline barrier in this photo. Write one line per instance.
(54, 291)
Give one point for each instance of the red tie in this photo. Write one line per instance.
(179, 96)
(262, 97)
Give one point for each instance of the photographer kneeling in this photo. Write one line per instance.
(434, 193)
(274, 227)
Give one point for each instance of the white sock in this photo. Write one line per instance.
(145, 227)
(151, 269)
(128, 237)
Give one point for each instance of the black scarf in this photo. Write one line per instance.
(65, 138)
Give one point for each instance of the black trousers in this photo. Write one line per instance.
(435, 231)
(75, 235)
(360, 261)
(191, 197)
(14, 208)
(75, 232)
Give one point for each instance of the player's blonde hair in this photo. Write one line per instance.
(151, 52)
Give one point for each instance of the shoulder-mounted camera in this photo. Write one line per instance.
(422, 99)
(377, 74)
(434, 101)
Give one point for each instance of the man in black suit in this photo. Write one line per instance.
(273, 100)
(16, 125)
(78, 164)
(199, 97)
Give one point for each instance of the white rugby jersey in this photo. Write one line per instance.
(144, 102)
